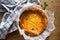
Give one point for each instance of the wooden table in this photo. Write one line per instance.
(53, 5)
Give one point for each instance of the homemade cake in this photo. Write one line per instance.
(33, 21)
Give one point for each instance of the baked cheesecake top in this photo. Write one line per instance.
(33, 21)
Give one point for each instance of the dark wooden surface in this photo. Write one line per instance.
(53, 5)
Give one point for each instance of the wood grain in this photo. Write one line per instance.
(53, 5)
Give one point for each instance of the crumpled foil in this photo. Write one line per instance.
(50, 26)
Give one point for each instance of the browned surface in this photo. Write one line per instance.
(33, 21)
(54, 5)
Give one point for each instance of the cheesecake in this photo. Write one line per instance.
(33, 21)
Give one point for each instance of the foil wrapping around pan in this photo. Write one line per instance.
(50, 26)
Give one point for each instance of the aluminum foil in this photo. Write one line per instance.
(50, 26)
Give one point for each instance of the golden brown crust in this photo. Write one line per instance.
(33, 21)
